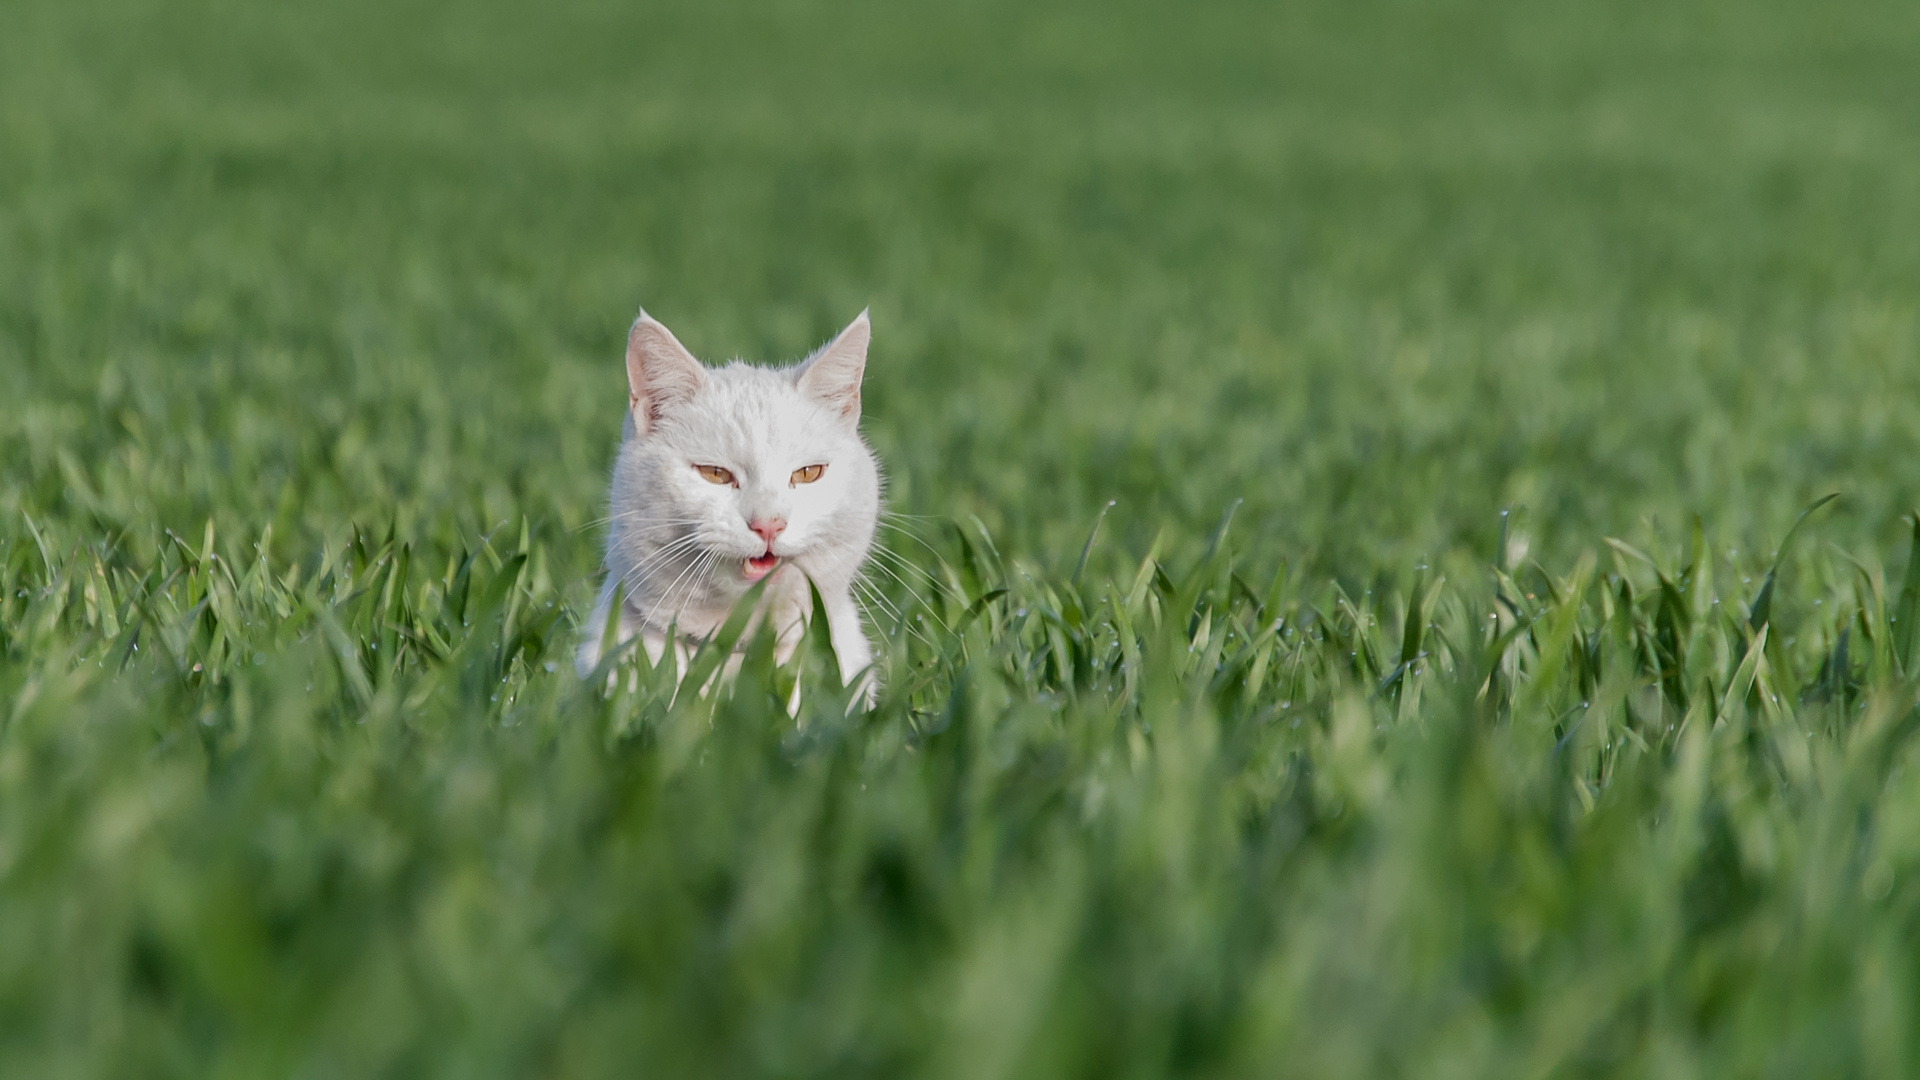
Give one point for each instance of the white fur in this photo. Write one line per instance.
(678, 548)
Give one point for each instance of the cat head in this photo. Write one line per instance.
(728, 473)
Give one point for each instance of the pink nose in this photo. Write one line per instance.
(767, 528)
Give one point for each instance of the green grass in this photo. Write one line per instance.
(1507, 728)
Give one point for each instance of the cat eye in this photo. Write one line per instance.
(714, 474)
(807, 474)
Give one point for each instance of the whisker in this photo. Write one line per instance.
(661, 606)
(879, 597)
(658, 525)
(656, 520)
(691, 568)
(889, 552)
(901, 614)
(880, 563)
(902, 530)
(636, 575)
(890, 572)
(903, 562)
(882, 627)
(903, 522)
(866, 613)
(899, 617)
(664, 553)
(707, 563)
(935, 552)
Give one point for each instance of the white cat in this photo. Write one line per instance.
(729, 475)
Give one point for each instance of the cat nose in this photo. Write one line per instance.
(767, 528)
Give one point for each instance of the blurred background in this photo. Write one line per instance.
(1425, 287)
(1380, 269)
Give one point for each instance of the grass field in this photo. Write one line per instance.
(1446, 693)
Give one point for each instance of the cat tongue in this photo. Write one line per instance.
(760, 566)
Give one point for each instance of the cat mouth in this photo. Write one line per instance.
(759, 566)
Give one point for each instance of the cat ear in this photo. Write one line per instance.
(832, 375)
(660, 372)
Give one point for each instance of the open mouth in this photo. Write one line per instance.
(760, 566)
